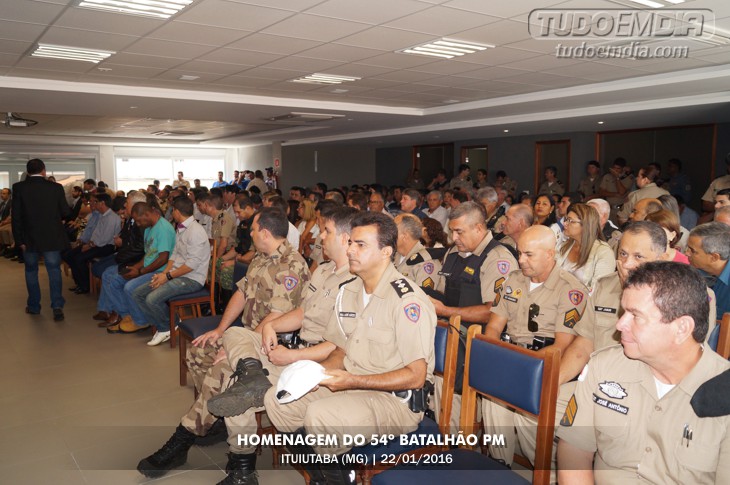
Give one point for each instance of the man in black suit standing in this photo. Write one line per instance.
(39, 207)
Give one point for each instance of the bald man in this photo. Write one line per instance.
(722, 215)
(643, 208)
(537, 306)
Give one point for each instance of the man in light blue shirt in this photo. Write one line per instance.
(96, 241)
(220, 182)
(185, 272)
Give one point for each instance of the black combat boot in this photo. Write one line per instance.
(316, 477)
(216, 434)
(339, 474)
(173, 454)
(247, 392)
(241, 470)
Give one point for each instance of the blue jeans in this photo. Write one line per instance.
(53, 266)
(153, 303)
(116, 294)
(98, 268)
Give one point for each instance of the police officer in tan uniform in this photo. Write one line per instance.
(383, 329)
(655, 409)
(551, 186)
(473, 271)
(414, 261)
(537, 307)
(647, 189)
(323, 210)
(222, 224)
(641, 243)
(273, 286)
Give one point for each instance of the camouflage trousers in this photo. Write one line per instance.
(209, 381)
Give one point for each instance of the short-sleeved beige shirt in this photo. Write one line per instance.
(319, 299)
(419, 266)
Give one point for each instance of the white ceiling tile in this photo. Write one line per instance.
(274, 44)
(493, 72)
(154, 47)
(544, 79)
(55, 64)
(242, 81)
(14, 47)
(27, 11)
(358, 70)
(19, 31)
(451, 81)
(8, 59)
(202, 34)
(292, 87)
(370, 12)
(304, 63)
(668, 65)
(378, 83)
(414, 87)
(220, 13)
(541, 63)
(719, 58)
(129, 71)
(211, 67)
(277, 74)
(449, 66)
(203, 77)
(500, 55)
(86, 39)
(293, 5)
(441, 21)
(398, 60)
(406, 76)
(583, 69)
(313, 27)
(499, 9)
(144, 61)
(235, 56)
(497, 33)
(544, 46)
(87, 19)
(384, 38)
(337, 52)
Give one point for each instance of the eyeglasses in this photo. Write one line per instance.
(568, 220)
(533, 312)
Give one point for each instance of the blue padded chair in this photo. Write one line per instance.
(507, 374)
(445, 350)
(193, 302)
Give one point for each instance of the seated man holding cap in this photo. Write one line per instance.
(383, 328)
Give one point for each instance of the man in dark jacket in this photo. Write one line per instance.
(39, 207)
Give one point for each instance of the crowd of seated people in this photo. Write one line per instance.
(556, 269)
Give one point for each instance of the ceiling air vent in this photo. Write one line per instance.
(298, 117)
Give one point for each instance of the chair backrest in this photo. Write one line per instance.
(723, 343)
(446, 349)
(518, 378)
(211, 274)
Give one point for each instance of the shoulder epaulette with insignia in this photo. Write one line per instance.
(415, 259)
(401, 286)
(710, 399)
(347, 281)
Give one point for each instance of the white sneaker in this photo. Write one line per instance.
(159, 338)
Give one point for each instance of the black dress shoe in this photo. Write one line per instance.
(73, 288)
(32, 312)
(58, 314)
(81, 291)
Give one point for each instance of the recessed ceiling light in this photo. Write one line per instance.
(160, 9)
(446, 48)
(317, 78)
(450, 101)
(133, 107)
(600, 122)
(506, 131)
(186, 77)
(339, 91)
(71, 53)
(104, 69)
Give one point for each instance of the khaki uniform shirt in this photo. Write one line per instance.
(317, 254)
(273, 283)
(637, 437)
(561, 300)
(223, 226)
(319, 299)
(493, 272)
(589, 187)
(419, 266)
(508, 185)
(716, 185)
(608, 183)
(463, 185)
(650, 191)
(552, 189)
(394, 329)
(604, 309)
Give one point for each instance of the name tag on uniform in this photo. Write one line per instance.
(347, 314)
(510, 298)
(604, 309)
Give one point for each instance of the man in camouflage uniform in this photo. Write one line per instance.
(273, 286)
(222, 225)
(414, 261)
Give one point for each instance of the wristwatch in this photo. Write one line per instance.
(169, 275)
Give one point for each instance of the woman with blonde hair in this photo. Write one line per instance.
(669, 222)
(585, 253)
(308, 228)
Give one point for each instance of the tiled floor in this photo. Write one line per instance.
(80, 406)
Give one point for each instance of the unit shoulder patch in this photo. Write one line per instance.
(290, 282)
(575, 297)
(413, 312)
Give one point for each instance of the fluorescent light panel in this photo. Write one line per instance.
(317, 78)
(71, 53)
(446, 48)
(160, 9)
